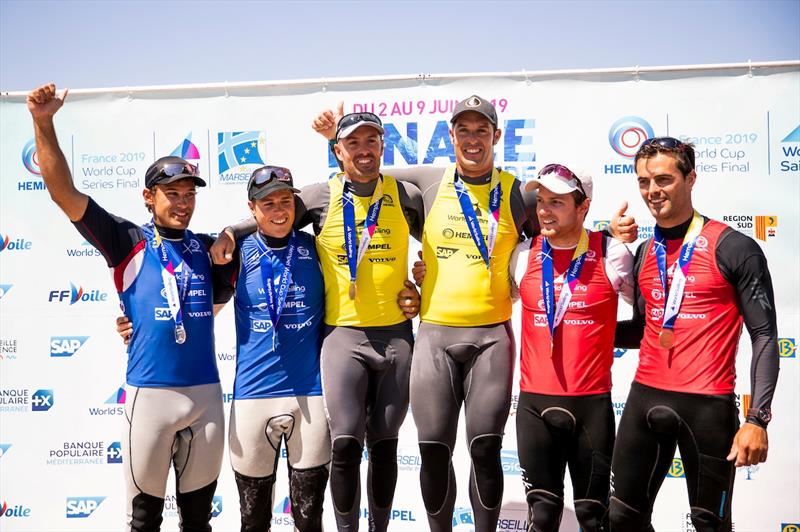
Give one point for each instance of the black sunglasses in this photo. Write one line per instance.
(671, 143)
(266, 174)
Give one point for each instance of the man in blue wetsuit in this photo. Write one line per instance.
(277, 392)
(162, 271)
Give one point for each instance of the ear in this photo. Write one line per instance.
(148, 196)
(252, 206)
(452, 136)
(497, 134)
(337, 150)
(691, 178)
(583, 208)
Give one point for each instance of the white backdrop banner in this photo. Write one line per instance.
(62, 365)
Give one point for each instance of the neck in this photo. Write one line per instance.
(475, 178)
(275, 242)
(363, 178)
(678, 230)
(566, 239)
(169, 232)
(363, 187)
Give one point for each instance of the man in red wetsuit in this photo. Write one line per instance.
(698, 280)
(568, 279)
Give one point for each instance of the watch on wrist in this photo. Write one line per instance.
(759, 416)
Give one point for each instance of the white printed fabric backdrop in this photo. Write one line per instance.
(62, 364)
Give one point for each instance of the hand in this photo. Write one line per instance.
(622, 227)
(418, 270)
(750, 445)
(408, 299)
(44, 102)
(325, 122)
(124, 329)
(222, 248)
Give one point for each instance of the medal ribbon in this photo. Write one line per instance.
(174, 291)
(672, 304)
(555, 313)
(276, 295)
(467, 209)
(370, 224)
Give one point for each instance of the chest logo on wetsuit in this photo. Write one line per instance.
(445, 253)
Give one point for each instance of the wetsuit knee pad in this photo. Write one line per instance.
(623, 518)
(435, 475)
(559, 419)
(485, 454)
(146, 513)
(255, 501)
(592, 515)
(383, 459)
(345, 464)
(707, 521)
(307, 493)
(195, 508)
(544, 511)
(663, 420)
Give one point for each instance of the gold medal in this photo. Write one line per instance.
(667, 338)
(352, 291)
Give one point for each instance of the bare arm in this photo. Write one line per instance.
(43, 103)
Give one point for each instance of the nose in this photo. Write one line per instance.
(653, 188)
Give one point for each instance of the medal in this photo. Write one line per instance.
(666, 338)
(352, 291)
(471, 218)
(356, 253)
(180, 333)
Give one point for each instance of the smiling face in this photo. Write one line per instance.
(665, 190)
(474, 137)
(172, 204)
(360, 153)
(274, 213)
(560, 219)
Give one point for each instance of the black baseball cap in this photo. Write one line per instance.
(170, 169)
(350, 122)
(268, 179)
(478, 105)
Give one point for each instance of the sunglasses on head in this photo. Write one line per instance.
(173, 169)
(355, 118)
(671, 143)
(266, 174)
(563, 172)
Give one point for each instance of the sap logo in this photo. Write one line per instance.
(42, 400)
(445, 253)
(462, 516)
(510, 463)
(787, 347)
(82, 506)
(17, 244)
(216, 505)
(341, 259)
(790, 527)
(114, 453)
(76, 294)
(4, 288)
(676, 469)
(540, 320)
(656, 313)
(4, 447)
(66, 346)
(16, 510)
(619, 353)
(261, 326)
(162, 314)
